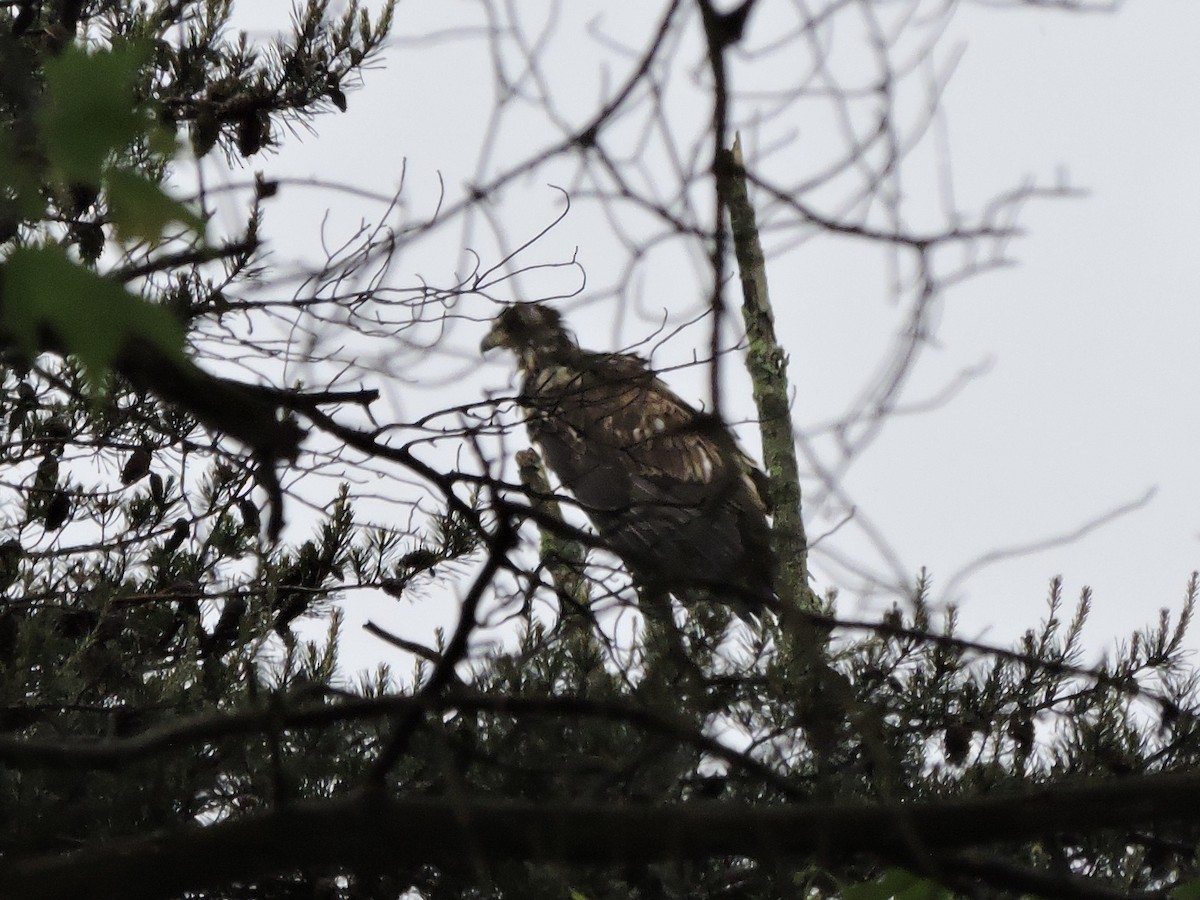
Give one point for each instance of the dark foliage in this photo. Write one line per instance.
(175, 719)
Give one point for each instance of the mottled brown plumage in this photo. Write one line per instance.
(665, 485)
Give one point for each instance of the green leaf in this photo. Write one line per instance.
(897, 884)
(164, 141)
(140, 208)
(93, 316)
(1187, 891)
(90, 109)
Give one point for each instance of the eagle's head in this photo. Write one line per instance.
(531, 331)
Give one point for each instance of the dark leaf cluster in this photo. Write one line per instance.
(176, 694)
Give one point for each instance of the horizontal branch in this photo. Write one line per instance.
(242, 411)
(113, 754)
(192, 257)
(300, 399)
(377, 833)
(228, 406)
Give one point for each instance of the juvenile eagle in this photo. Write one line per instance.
(666, 486)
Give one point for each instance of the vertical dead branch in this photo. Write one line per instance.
(766, 361)
(563, 558)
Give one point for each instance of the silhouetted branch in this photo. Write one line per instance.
(378, 833)
(499, 542)
(118, 753)
(197, 256)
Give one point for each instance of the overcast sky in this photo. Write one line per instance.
(1085, 349)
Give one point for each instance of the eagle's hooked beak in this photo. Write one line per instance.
(497, 337)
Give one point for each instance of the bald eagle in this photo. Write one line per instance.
(665, 485)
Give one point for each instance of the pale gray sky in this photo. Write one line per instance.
(1089, 340)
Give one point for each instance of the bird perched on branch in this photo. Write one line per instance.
(666, 486)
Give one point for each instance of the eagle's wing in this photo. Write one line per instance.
(618, 421)
(616, 407)
(666, 485)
